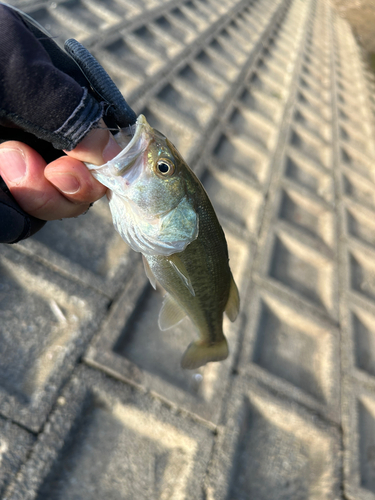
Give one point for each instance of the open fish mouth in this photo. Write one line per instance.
(128, 164)
(141, 136)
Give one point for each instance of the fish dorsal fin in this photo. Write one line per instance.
(170, 314)
(233, 305)
(149, 273)
(181, 271)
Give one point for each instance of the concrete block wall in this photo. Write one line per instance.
(272, 105)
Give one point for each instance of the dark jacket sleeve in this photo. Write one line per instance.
(36, 95)
(15, 224)
(45, 102)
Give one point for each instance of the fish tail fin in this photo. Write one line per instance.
(200, 352)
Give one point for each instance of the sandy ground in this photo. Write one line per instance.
(361, 16)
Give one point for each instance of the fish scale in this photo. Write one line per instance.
(210, 279)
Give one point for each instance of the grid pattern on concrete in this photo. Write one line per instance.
(271, 104)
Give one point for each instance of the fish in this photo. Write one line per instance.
(160, 208)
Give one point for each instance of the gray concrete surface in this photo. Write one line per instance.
(272, 105)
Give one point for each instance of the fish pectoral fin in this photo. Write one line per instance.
(150, 275)
(200, 352)
(170, 314)
(181, 271)
(233, 305)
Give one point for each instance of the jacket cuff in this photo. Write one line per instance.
(86, 115)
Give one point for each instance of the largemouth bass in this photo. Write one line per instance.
(161, 209)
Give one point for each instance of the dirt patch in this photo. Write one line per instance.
(361, 16)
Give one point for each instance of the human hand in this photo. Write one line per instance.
(63, 188)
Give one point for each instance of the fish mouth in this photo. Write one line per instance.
(141, 135)
(135, 141)
(134, 132)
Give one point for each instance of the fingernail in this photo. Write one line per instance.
(66, 183)
(12, 165)
(111, 150)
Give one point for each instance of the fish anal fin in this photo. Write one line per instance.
(233, 305)
(199, 353)
(181, 271)
(170, 314)
(149, 273)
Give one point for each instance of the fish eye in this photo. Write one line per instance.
(165, 167)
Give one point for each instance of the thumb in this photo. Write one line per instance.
(98, 147)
